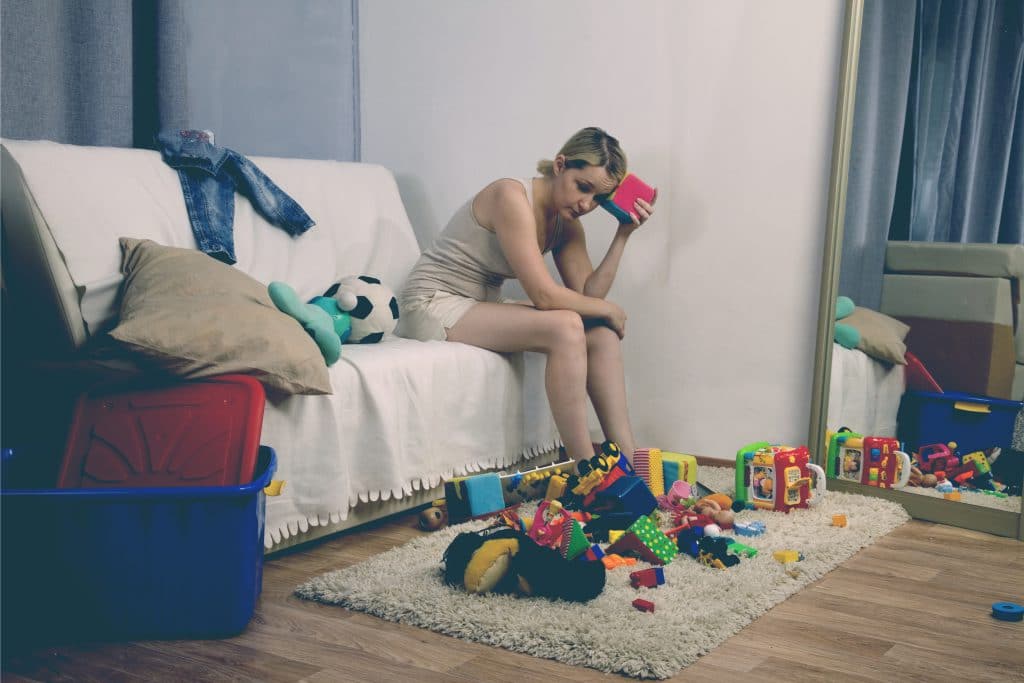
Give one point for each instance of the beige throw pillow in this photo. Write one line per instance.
(195, 317)
(881, 336)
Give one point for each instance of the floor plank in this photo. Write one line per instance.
(897, 610)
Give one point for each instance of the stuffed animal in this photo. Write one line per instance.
(371, 305)
(500, 559)
(847, 336)
(328, 325)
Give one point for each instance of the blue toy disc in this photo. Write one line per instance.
(1007, 611)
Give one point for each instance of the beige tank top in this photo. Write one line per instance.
(466, 258)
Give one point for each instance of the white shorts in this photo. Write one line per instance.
(430, 318)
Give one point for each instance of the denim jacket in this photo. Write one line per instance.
(209, 177)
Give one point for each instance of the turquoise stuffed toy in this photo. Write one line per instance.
(326, 323)
(845, 335)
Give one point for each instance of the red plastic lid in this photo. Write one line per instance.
(198, 433)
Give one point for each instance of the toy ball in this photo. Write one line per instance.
(433, 518)
(371, 305)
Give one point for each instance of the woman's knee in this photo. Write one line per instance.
(564, 330)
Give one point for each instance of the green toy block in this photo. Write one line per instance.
(655, 539)
(574, 542)
(740, 549)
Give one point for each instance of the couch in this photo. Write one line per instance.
(402, 416)
(963, 305)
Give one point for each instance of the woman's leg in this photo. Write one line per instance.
(557, 334)
(606, 384)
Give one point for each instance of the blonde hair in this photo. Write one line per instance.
(590, 147)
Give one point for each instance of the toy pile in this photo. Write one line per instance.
(609, 514)
(881, 462)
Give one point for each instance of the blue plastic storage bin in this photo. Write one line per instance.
(973, 422)
(157, 563)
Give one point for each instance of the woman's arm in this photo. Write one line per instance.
(574, 264)
(503, 207)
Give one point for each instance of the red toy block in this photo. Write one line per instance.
(644, 605)
(649, 578)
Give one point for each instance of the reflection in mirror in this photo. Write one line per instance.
(926, 381)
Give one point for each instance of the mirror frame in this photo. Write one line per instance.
(952, 513)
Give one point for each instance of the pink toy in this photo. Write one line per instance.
(620, 202)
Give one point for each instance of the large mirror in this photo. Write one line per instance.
(915, 396)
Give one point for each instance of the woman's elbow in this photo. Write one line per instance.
(545, 299)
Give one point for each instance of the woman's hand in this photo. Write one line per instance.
(642, 210)
(615, 318)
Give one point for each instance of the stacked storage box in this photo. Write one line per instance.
(962, 302)
(155, 529)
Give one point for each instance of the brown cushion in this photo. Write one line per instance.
(195, 316)
(881, 336)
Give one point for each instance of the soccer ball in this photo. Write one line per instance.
(371, 305)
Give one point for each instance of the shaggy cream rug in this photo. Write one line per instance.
(696, 609)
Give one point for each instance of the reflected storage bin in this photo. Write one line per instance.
(973, 422)
(133, 563)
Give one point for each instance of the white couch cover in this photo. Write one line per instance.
(404, 414)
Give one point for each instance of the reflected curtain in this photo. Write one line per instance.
(96, 72)
(938, 132)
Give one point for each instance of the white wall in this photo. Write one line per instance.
(727, 108)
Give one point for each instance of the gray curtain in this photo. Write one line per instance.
(883, 78)
(98, 72)
(268, 77)
(938, 132)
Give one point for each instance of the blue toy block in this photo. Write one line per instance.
(670, 470)
(755, 528)
(484, 494)
(632, 495)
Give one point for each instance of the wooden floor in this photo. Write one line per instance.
(913, 607)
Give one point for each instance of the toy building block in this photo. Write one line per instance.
(755, 528)
(615, 534)
(648, 578)
(627, 494)
(787, 556)
(676, 466)
(647, 463)
(740, 549)
(556, 487)
(611, 561)
(473, 496)
(951, 495)
(646, 540)
(593, 553)
(838, 520)
(574, 541)
(643, 605)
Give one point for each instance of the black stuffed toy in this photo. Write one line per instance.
(500, 559)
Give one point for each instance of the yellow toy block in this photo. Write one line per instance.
(952, 495)
(786, 556)
(556, 487)
(676, 466)
(838, 520)
(647, 463)
(615, 534)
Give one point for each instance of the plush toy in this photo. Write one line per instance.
(328, 325)
(372, 306)
(847, 336)
(500, 559)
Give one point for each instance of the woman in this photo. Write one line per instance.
(503, 232)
